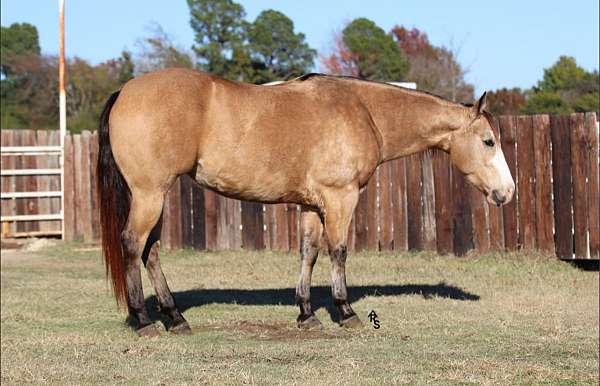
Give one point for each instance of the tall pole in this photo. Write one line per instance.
(62, 108)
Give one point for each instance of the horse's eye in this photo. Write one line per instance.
(489, 142)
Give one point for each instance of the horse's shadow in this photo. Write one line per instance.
(320, 296)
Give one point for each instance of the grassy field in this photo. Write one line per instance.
(493, 319)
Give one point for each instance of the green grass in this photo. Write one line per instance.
(493, 319)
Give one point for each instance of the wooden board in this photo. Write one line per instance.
(462, 226)
(360, 221)
(399, 204)
(95, 205)
(85, 192)
(443, 203)
(198, 217)
(372, 220)
(479, 209)
(252, 226)
(428, 200)
(385, 207)
(591, 136)
(414, 194)
(562, 187)
(69, 190)
(544, 211)
(580, 166)
(526, 182)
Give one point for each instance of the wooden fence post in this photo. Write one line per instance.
(544, 214)
(443, 203)
(562, 187)
(414, 194)
(428, 201)
(580, 163)
(591, 135)
(252, 226)
(399, 204)
(526, 182)
(385, 207)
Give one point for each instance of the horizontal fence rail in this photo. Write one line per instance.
(419, 202)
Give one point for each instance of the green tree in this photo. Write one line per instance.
(565, 88)
(546, 103)
(277, 52)
(220, 32)
(18, 40)
(374, 52)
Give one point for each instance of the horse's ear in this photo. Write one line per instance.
(481, 104)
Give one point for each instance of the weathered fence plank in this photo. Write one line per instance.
(95, 205)
(69, 190)
(591, 135)
(544, 212)
(479, 209)
(580, 166)
(30, 162)
(252, 226)
(187, 212)
(198, 218)
(443, 203)
(428, 201)
(562, 187)
(399, 204)
(385, 207)
(85, 181)
(526, 182)
(414, 194)
(294, 227)
(360, 221)
(372, 223)
(9, 206)
(462, 219)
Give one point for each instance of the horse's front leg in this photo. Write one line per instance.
(312, 229)
(339, 206)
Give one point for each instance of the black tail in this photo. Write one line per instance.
(115, 198)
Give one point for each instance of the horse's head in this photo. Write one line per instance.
(475, 150)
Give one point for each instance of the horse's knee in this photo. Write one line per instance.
(338, 253)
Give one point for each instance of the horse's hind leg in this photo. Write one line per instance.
(339, 206)
(163, 293)
(143, 216)
(312, 229)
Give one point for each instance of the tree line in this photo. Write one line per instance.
(265, 49)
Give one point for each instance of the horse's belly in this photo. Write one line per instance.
(245, 183)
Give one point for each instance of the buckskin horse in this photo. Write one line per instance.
(314, 141)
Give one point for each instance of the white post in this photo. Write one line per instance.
(62, 109)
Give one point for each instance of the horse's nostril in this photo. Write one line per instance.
(498, 198)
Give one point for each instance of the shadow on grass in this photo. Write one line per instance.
(320, 296)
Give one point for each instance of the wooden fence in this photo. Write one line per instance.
(419, 202)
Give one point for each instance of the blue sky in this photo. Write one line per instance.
(503, 43)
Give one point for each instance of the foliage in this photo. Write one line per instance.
(276, 51)
(220, 33)
(364, 50)
(505, 101)
(565, 88)
(158, 51)
(433, 69)
(18, 40)
(267, 49)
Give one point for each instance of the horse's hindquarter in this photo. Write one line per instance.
(283, 143)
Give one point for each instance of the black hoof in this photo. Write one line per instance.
(351, 322)
(309, 322)
(149, 331)
(182, 328)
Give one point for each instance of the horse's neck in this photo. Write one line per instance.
(410, 121)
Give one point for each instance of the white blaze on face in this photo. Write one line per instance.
(498, 162)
